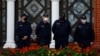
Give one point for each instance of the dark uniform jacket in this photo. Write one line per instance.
(43, 32)
(61, 29)
(84, 33)
(23, 29)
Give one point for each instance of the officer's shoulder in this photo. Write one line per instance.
(88, 23)
(28, 23)
(67, 21)
(79, 25)
(57, 20)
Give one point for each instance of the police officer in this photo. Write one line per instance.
(84, 34)
(43, 32)
(61, 29)
(23, 31)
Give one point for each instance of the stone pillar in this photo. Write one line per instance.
(10, 43)
(55, 16)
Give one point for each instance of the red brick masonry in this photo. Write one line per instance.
(97, 23)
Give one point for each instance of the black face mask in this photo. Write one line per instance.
(25, 19)
(62, 17)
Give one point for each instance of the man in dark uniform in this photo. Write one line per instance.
(43, 32)
(23, 31)
(84, 34)
(61, 29)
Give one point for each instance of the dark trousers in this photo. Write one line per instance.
(61, 43)
(84, 44)
(43, 41)
(23, 43)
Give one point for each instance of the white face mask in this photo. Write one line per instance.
(45, 19)
(83, 21)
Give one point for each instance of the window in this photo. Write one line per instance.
(2, 21)
(75, 9)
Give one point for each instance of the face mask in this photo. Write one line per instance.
(83, 21)
(45, 19)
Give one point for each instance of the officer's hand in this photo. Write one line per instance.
(25, 37)
(91, 43)
(75, 43)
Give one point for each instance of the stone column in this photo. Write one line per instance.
(55, 16)
(10, 43)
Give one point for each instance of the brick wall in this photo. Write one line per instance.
(97, 23)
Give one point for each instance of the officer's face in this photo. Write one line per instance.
(83, 20)
(23, 17)
(45, 18)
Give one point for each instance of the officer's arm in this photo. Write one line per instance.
(17, 28)
(54, 26)
(69, 27)
(49, 32)
(29, 29)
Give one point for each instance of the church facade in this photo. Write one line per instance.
(11, 11)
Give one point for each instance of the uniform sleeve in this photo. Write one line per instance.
(91, 31)
(49, 32)
(76, 34)
(29, 30)
(54, 27)
(49, 28)
(17, 28)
